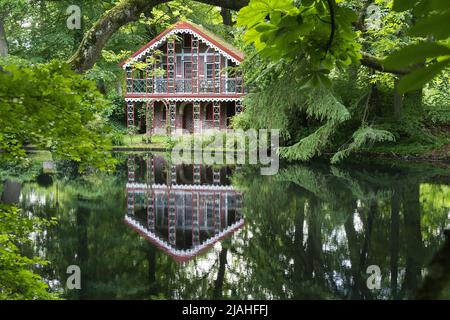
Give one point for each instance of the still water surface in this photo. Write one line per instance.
(153, 230)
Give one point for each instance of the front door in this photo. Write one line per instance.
(188, 121)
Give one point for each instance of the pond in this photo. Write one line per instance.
(153, 230)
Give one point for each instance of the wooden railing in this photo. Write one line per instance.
(224, 86)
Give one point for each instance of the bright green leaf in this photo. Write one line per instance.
(415, 53)
(435, 24)
(418, 78)
(403, 5)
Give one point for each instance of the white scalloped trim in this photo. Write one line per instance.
(181, 99)
(157, 44)
(142, 187)
(186, 253)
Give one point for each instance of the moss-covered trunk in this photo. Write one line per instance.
(3, 41)
(95, 39)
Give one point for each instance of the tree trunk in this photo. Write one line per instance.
(218, 284)
(11, 192)
(375, 100)
(438, 277)
(373, 209)
(398, 101)
(413, 99)
(353, 250)
(413, 239)
(119, 90)
(299, 257)
(227, 18)
(82, 222)
(394, 242)
(3, 41)
(151, 260)
(124, 12)
(314, 258)
(95, 39)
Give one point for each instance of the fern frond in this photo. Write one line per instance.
(310, 146)
(363, 137)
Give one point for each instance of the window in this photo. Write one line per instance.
(209, 112)
(209, 70)
(188, 70)
(187, 41)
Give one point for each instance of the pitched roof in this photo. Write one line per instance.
(215, 41)
(177, 254)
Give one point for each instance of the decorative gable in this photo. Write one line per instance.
(198, 32)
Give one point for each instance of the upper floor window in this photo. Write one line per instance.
(188, 70)
(209, 70)
(187, 40)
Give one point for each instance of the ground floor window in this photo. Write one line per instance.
(209, 114)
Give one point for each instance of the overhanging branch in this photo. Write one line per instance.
(332, 25)
(123, 13)
(374, 63)
(130, 10)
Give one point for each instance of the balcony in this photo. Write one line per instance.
(226, 86)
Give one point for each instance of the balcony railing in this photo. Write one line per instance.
(160, 86)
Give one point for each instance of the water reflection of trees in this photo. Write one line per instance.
(303, 238)
(313, 243)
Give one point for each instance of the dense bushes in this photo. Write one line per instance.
(50, 106)
(17, 279)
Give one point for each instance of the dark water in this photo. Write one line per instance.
(152, 230)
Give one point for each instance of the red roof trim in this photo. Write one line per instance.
(182, 25)
(217, 44)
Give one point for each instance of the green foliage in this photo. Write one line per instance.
(117, 137)
(18, 281)
(439, 115)
(26, 170)
(39, 28)
(363, 137)
(416, 53)
(310, 146)
(319, 35)
(324, 198)
(115, 111)
(321, 105)
(433, 58)
(14, 60)
(418, 78)
(52, 107)
(327, 110)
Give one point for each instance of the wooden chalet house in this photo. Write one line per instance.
(183, 210)
(185, 81)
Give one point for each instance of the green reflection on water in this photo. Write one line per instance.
(310, 232)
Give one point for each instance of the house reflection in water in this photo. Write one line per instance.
(184, 209)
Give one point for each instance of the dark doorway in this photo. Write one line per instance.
(231, 112)
(188, 121)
